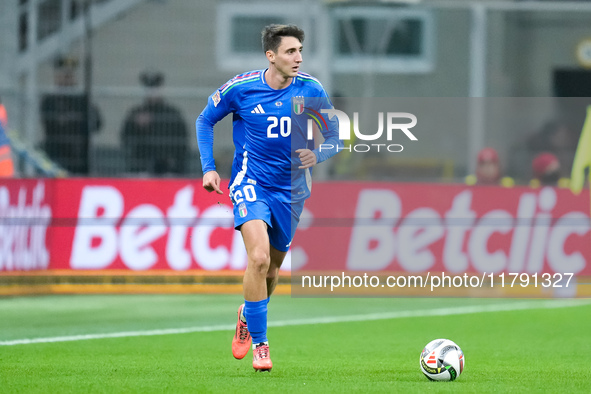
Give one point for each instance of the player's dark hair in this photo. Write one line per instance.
(271, 35)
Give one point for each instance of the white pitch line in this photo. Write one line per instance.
(461, 310)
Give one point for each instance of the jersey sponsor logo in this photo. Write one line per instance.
(298, 105)
(251, 181)
(258, 110)
(216, 98)
(242, 210)
(278, 103)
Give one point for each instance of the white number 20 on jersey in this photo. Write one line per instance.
(284, 125)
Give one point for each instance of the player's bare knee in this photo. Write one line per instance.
(260, 261)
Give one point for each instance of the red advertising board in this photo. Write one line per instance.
(138, 225)
(452, 228)
(141, 225)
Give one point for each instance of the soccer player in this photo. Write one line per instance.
(271, 171)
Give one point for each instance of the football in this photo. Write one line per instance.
(442, 359)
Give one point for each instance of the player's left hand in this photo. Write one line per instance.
(307, 157)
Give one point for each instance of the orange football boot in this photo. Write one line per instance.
(242, 340)
(261, 360)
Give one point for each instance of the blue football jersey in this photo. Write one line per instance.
(265, 134)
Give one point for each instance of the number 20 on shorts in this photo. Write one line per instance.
(247, 193)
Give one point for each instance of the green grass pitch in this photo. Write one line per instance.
(541, 346)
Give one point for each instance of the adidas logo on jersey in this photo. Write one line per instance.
(258, 110)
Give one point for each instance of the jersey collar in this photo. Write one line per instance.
(293, 80)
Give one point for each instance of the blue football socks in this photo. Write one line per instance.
(256, 318)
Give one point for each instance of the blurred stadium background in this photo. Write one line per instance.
(99, 100)
(458, 48)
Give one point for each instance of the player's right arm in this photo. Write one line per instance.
(217, 108)
(211, 182)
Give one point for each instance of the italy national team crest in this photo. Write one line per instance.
(242, 210)
(298, 105)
